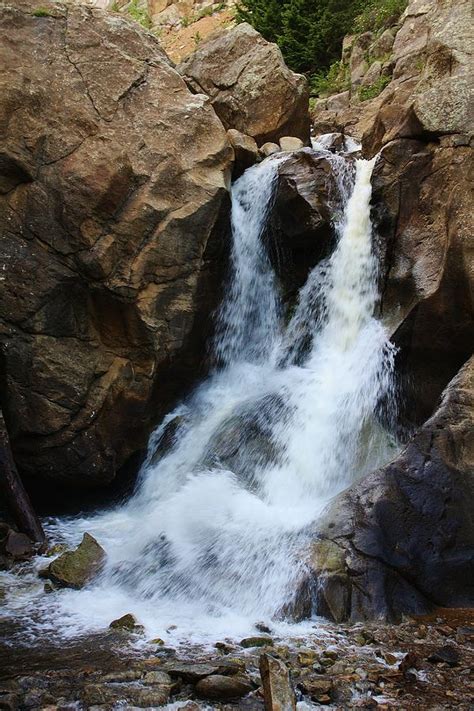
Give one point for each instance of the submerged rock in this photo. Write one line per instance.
(249, 84)
(278, 692)
(75, 569)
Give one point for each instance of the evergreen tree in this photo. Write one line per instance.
(309, 32)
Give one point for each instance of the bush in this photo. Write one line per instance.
(370, 92)
(336, 79)
(379, 15)
(310, 32)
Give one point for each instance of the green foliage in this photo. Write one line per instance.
(335, 80)
(309, 32)
(379, 14)
(42, 12)
(138, 14)
(370, 92)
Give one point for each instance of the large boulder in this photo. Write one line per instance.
(428, 290)
(251, 88)
(112, 179)
(402, 539)
(74, 569)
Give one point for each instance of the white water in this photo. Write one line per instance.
(214, 538)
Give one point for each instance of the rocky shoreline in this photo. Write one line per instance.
(425, 662)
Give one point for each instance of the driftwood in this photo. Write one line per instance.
(15, 493)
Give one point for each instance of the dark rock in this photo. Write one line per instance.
(75, 569)
(192, 672)
(278, 692)
(223, 688)
(317, 689)
(445, 655)
(18, 546)
(405, 532)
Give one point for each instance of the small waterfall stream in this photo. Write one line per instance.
(213, 539)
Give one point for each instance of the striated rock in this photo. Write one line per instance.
(75, 569)
(223, 688)
(112, 178)
(290, 143)
(245, 149)
(250, 87)
(278, 692)
(405, 532)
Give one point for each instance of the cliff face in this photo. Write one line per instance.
(113, 176)
(402, 539)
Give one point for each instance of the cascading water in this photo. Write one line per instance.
(213, 539)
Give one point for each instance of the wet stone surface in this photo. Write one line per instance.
(424, 663)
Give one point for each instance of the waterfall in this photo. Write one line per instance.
(213, 539)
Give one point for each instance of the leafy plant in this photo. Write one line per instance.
(378, 15)
(42, 12)
(138, 14)
(370, 92)
(335, 80)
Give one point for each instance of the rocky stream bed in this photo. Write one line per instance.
(423, 663)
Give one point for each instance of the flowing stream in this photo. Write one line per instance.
(214, 538)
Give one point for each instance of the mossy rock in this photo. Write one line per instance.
(327, 557)
(75, 569)
(126, 623)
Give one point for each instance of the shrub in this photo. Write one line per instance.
(335, 80)
(370, 92)
(378, 15)
(41, 12)
(138, 14)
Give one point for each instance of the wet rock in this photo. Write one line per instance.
(18, 545)
(445, 655)
(192, 672)
(290, 143)
(262, 641)
(75, 569)
(97, 349)
(306, 657)
(389, 523)
(223, 688)
(262, 627)
(249, 85)
(317, 688)
(126, 623)
(278, 692)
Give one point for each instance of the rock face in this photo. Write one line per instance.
(251, 88)
(75, 569)
(402, 540)
(428, 293)
(418, 82)
(112, 177)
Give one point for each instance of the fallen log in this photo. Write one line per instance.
(15, 493)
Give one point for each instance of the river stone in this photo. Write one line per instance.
(263, 641)
(250, 87)
(18, 545)
(245, 148)
(291, 143)
(269, 148)
(278, 693)
(223, 688)
(75, 569)
(126, 623)
(114, 199)
(192, 672)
